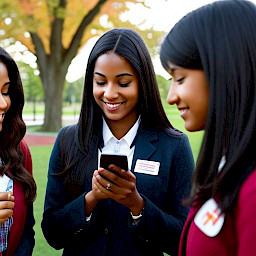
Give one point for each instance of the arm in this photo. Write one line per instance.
(161, 226)
(26, 245)
(64, 221)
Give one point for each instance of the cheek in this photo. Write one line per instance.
(8, 101)
(96, 93)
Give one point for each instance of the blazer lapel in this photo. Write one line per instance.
(143, 145)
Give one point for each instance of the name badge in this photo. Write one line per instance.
(6, 184)
(209, 218)
(147, 167)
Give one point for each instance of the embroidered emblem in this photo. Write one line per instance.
(209, 218)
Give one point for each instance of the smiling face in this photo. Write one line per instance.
(116, 89)
(5, 101)
(190, 92)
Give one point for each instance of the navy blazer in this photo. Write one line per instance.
(110, 230)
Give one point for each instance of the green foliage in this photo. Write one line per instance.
(73, 91)
(164, 86)
(32, 84)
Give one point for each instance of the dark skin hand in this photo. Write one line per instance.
(6, 206)
(123, 189)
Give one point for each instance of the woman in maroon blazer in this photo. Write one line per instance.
(17, 186)
(211, 56)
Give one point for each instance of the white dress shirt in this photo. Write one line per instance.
(119, 147)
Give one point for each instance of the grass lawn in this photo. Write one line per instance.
(40, 156)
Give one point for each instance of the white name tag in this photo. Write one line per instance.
(209, 218)
(6, 184)
(147, 167)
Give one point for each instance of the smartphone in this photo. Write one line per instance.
(118, 160)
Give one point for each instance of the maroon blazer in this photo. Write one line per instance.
(237, 235)
(20, 207)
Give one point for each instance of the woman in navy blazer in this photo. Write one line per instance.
(94, 211)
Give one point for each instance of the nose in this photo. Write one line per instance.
(172, 96)
(110, 91)
(3, 103)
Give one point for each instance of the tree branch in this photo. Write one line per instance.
(76, 40)
(40, 52)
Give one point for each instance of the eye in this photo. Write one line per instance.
(124, 84)
(100, 83)
(5, 90)
(180, 80)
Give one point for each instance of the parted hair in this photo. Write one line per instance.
(129, 45)
(88, 131)
(13, 131)
(220, 39)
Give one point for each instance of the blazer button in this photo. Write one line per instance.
(106, 231)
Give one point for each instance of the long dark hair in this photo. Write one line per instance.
(220, 39)
(88, 132)
(13, 131)
(129, 45)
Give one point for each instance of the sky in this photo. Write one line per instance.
(161, 15)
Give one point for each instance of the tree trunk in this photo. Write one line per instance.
(34, 108)
(53, 101)
(53, 66)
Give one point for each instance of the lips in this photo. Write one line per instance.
(113, 106)
(183, 111)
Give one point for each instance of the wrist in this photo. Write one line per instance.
(137, 208)
(90, 202)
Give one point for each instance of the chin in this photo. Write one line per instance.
(191, 128)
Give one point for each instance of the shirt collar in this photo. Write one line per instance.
(129, 136)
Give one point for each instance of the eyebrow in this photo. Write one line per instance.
(119, 75)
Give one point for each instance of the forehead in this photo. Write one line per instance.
(114, 63)
(172, 67)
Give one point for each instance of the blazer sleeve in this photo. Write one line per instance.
(64, 221)
(161, 227)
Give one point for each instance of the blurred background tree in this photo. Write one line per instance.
(54, 30)
(32, 85)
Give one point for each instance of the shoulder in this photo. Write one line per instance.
(24, 148)
(67, 141)
(172, 136)
(177, 143)
(66, 134)
(166, 138)
(27, 160)
(68, 130)
(248, 189)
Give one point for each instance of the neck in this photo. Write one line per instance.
(121, 127)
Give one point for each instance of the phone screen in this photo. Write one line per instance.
(118, 160)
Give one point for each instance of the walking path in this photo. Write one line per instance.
(38, 139)
(34, 139)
